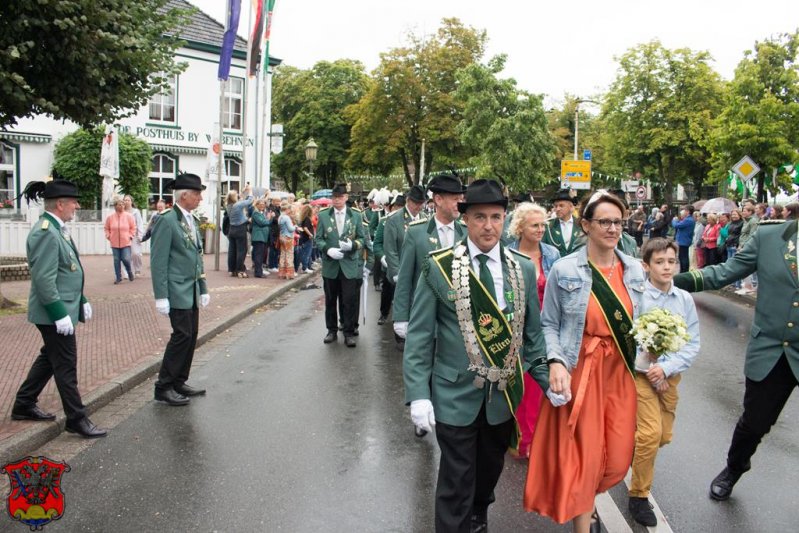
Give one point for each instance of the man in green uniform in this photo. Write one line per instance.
(562, 232)
(55, 305)
(627, 244)
(340, 239)
(179, 287)
(472, 333)
(443, 230)
(772, 356)
(386, 287)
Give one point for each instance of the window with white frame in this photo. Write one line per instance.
(163, 105)
(234, 96)
(163, 170)
(232, 176)
(8, 169)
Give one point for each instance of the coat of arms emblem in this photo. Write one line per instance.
(35, 498)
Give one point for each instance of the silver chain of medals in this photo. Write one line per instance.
(463, 308)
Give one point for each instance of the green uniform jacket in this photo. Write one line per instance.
(393, 236)
(327, 237)
(367, 256)
(420, 240)
(554, 237)
(372, 218)
(627, 245)
(435, 361)
(176, 261)
(771, 252)
(260, 227)
(377, 244)
(56, 274)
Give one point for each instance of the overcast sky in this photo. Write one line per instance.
(553, 47)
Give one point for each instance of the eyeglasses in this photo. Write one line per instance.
(606, 223)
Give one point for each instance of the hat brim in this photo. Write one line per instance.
(438, 190)
(463, 206)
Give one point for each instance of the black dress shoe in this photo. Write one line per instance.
(31, 413)
(85, 428)
(187, 390)
(330, 337)
(382, 320)
(350, 342)
(721, 487)
(355, 332)
(641, 511)
(171, 397)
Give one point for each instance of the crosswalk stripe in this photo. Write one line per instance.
(610, 515)
(663, 525)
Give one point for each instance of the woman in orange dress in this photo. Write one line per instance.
(583, 444)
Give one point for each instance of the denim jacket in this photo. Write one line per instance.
(549, 254)
(566, 302)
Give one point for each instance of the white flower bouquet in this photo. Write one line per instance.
(657, 332)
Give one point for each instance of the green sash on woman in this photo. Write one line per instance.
(616, 316)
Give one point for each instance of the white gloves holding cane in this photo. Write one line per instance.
(335, 253)
(345, 246)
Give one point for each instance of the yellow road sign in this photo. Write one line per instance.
(746, 168)
(575, 174)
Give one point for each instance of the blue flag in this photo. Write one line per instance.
(229, 39)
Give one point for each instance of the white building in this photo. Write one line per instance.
(177, 124)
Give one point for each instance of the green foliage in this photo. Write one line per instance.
(761, 113)
(658, 113)
(505, 128)
(411, 98)
(312, 103)
(89, 61)
(77, 158)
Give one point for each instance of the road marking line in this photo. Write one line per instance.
(610, 515)
(663, 524)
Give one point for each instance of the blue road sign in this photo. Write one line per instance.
(587, 155)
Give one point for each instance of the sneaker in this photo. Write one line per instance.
(272, 270)
(309, 271)
(641, 511)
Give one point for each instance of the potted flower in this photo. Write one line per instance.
(207, 231)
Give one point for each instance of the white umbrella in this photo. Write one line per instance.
(718, 205)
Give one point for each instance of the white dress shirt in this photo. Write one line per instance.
(566, 230)
(494, 265)
(340, 217)
(446, 234)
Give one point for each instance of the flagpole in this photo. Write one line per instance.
(219, 174)
(244, 106)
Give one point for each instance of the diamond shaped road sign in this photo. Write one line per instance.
(746, 168)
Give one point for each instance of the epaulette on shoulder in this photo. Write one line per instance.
(520, 254)
(441, 252)
(772, 222)
(393, 213)
(45, 224)
(417, 222)
(325, 209)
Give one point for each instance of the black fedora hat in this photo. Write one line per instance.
(57, 188)
(446, 183)
(416, 194)
(340, 189)
(398, 200)
(187, 181)
(564, 194)
(482, 192)
(523, 197)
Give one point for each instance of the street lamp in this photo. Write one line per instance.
(310, 156)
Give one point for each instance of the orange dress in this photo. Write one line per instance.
(586, 446)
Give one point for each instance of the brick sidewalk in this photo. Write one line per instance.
(125, 338)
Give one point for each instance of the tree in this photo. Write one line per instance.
(505, 128)
(77, 158)
(658, 113)
(86, 61)
(312, 103)
(411, 99)
(761, 113)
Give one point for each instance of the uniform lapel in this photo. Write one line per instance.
(554, 233)
(789, 251)
(195, 239)
(432, 232)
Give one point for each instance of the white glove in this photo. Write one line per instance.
(558, 400)
(422, 415)
(396, 278)
(384, 262)
(345, 246)
(87, 311)
(64, 326)
(205, 299)
(162, 306)
(401, 329)
(335, 253)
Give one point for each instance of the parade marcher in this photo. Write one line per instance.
(340, 238)
(772, 359)
(472, 333)
(562, 231)
(657, 385)
(627, 244)
(386, 288)
(443, 230)
(584, 439)
(684, 235)
(55, 305)
(394, 235)
(179, 286)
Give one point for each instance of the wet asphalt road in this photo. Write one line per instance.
(299, 436)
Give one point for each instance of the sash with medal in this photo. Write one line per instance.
(618, 319)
